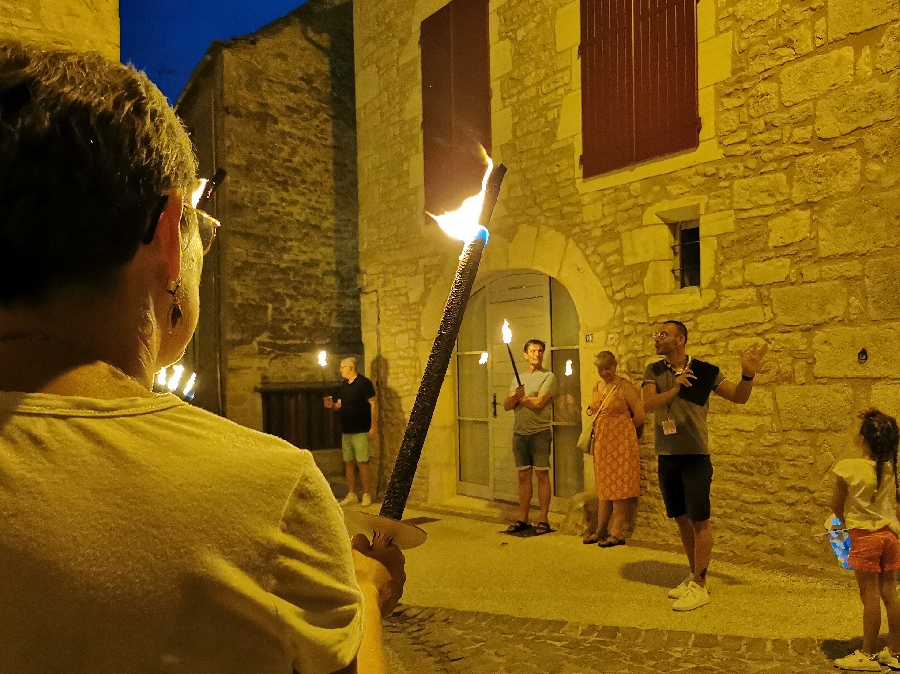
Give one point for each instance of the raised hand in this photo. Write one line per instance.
(751, 359)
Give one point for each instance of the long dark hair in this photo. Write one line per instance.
(881, 435)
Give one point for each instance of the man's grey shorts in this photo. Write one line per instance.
(532, 451)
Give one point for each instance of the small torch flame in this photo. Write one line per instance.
(484, 358)
(323, 358)
(177, 371)
(568, 368)
(462, 223)
(198, 192)
(189, 387)
(507, 333)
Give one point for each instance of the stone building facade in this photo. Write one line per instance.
(794, 185)
(85, 26)
(276, 110)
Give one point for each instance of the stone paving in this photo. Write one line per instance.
(423, 640)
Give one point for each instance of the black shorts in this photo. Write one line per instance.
(684, 480)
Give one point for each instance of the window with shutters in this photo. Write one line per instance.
(639, 81)
(456, 102)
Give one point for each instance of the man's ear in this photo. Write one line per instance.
(168, 235)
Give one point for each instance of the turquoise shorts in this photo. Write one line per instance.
(355, 447)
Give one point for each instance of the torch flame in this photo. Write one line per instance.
(323, 358)
(462, 223)
(507, 333)
(484, 358)
(177, 371)
(189, 387)
(198, 192)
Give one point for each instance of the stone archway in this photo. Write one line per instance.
(543, 250)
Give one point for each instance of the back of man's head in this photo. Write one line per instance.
(87, 149)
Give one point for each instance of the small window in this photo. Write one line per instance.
(687, 253)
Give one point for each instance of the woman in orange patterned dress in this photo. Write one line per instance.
(618, 412)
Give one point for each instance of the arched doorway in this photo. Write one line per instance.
(537, 306)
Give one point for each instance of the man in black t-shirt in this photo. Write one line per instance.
(357, 408)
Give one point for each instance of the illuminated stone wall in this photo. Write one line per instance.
(84, 26)
(276, 110)
(795, 185)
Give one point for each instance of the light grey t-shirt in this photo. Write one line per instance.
(529, 422)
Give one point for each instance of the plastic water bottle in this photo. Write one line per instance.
(839, 538)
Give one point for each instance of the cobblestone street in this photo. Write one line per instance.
(429, 640)
(482, 602)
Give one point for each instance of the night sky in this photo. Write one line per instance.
(167, 38)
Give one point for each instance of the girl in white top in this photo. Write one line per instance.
(865, 499)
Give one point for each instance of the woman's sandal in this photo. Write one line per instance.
(542, 528)
(611, 542)
(592, 538)
(518, 526)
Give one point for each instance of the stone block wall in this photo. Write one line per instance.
(795, 186)
(284, 122)
(83, 26)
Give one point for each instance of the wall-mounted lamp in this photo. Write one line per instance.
(862, 356)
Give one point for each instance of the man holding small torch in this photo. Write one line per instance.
(531, 399)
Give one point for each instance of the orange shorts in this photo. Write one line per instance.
(874, 551)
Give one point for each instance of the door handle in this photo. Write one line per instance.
(494, 405)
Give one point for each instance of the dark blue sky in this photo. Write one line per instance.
(167, 38)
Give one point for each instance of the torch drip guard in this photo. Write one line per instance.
(382, 531)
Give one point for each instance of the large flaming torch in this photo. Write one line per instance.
(468, 223)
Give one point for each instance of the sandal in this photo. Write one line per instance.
(542, 528)
(611, 542)
(518, 526)
(592, 538)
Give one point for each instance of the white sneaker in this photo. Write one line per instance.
(678, 591)
(694, 597)
(366, 501)
(349, 500)
(888, 659)
(858, 661)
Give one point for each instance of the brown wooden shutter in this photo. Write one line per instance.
(607, 105)
(456, 102)
(666, 105)
(437, 106)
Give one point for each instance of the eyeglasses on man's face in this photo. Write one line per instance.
(193, 212)
(207, 226)
(660, 335)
